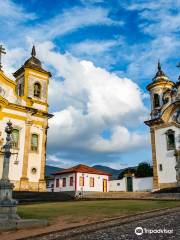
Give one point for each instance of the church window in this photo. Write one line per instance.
(15, 138)
(37, 90)
(170, 136)
(57, 182)
(156, 100)
(34, 142)
(71, 181)
(160, 167)
(91, 183)
(81, 181)
(64, 182)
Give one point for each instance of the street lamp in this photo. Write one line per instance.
(7, 204)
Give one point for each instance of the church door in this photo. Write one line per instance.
(129, 184)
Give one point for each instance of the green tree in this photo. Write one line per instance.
(144, 170)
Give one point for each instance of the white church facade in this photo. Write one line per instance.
(164, 126)
(24, 102)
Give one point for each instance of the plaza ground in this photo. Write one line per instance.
(63, 215)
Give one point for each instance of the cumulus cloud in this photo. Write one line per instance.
(89, 100)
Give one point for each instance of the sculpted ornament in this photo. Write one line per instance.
(176, 116)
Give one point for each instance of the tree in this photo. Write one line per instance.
(144, 170)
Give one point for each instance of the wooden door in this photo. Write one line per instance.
(104, 185)
(129, 184)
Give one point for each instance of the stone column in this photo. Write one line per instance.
(42, 182)
(155, 173)
(24, 185)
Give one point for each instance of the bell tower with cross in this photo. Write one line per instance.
(2, 51)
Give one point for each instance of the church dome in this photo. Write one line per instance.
(33, 61)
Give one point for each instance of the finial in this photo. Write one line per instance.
(33, 52)
(159, 66)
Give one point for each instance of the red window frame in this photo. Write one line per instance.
(57, 182)
(71, 181)
(64, 182)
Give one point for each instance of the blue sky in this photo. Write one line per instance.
(102, 55)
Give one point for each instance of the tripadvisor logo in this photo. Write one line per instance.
(139, 231)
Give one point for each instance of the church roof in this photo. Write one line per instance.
(33, 63)
(159, 73)
(82, 169)
(160, 77)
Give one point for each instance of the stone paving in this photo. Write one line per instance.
(166, 220)
(169, 223)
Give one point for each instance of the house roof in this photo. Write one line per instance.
(82, 169)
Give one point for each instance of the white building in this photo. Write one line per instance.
(164, 126)
(24, 101)
(137, 184)
(81, 179)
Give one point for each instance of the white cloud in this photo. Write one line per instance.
(71, 20)
(89, 100)
(11, 11)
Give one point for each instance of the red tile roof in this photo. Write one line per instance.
(82, 169)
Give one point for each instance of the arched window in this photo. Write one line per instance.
(170, 136)
(34, 142)
(37, 90)
(156, 100)
(15, 138)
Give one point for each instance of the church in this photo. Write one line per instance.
(25, 103)
(164, 124)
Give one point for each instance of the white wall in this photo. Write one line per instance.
(98, 182)
(165, 157)
(142, 184)
(117, 185)
(139, 184)
(67, 187)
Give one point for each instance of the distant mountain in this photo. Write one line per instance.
(115, 172)
(51, 169)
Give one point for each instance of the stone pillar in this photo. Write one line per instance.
(24, 185)
(155, 173)
(42, 182)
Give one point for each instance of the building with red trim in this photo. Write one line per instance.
(81, 179)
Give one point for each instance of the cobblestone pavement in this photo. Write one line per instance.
(123, 228)
(169, 222)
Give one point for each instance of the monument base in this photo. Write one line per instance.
(7, 204)
(8, 225)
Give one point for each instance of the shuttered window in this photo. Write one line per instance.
(91, 182)
(81, 181)
(15, 138)
(34, 142)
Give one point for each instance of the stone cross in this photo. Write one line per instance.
(2, 51)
